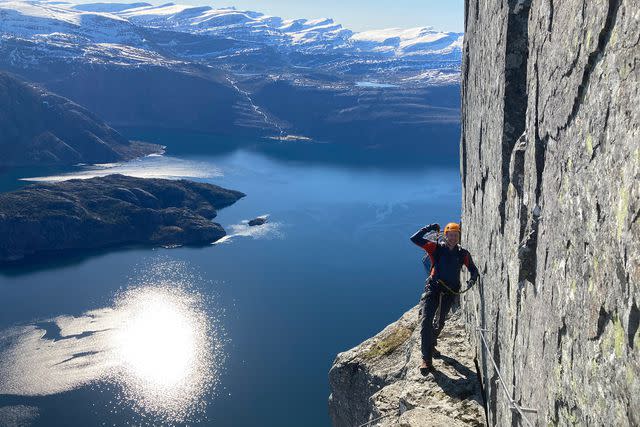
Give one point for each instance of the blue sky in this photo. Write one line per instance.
(357, 15)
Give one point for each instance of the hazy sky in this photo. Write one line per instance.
(357, 15)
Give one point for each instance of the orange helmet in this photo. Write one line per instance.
(453, 226)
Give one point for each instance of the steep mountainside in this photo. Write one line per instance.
(38, 127)
(322, 43)
(551, 201)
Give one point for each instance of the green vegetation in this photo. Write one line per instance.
(388, 344)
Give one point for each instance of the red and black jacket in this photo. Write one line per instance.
(446, 263)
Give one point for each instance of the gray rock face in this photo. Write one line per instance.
(380, 380)
(550, 162)
(109, 211)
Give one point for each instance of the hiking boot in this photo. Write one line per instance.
(426, 367)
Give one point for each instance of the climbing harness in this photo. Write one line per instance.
(436, 317)
(451, 291)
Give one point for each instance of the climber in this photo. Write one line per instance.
(443, 283)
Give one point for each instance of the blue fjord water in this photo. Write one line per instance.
(240, 333)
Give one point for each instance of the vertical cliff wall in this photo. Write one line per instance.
(550, 162)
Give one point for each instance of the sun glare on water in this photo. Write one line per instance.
(158, 348)
(163, 350)
(158, 342)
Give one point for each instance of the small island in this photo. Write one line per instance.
(109, 211)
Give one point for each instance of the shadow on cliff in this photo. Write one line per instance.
(482, 375)
(458, 388)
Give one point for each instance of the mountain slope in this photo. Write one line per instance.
(38, 127)
(240, 72)
(297, 41)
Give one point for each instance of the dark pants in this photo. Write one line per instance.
(435, 296)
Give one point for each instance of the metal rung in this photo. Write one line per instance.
(516, 408)
(531, 410)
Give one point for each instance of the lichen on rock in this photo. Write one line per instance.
(560, 287)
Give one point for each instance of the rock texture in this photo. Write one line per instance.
(550, 163)
(379, 380)
(40, 128)
(109, 211)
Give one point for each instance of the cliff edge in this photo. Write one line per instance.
(378, 382)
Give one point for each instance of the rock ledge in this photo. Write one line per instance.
(381, 378)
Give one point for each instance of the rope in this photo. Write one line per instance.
(512, 403)
(375, 419)
(451, 291)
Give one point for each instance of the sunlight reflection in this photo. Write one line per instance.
(146, 167)
(158, 345)
(164, 351)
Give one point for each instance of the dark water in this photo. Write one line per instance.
(240, 333)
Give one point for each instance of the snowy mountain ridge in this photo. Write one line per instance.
(121, 23)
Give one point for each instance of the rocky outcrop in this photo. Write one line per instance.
(109, 211)
(40, 128)
(379, 382)
(550, 163)
(260, 220)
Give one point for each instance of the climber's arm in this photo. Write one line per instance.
(427, 237)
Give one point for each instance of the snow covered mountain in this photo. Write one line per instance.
(409, 42)
(297, 33)
(144, 33)
(237, 71)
